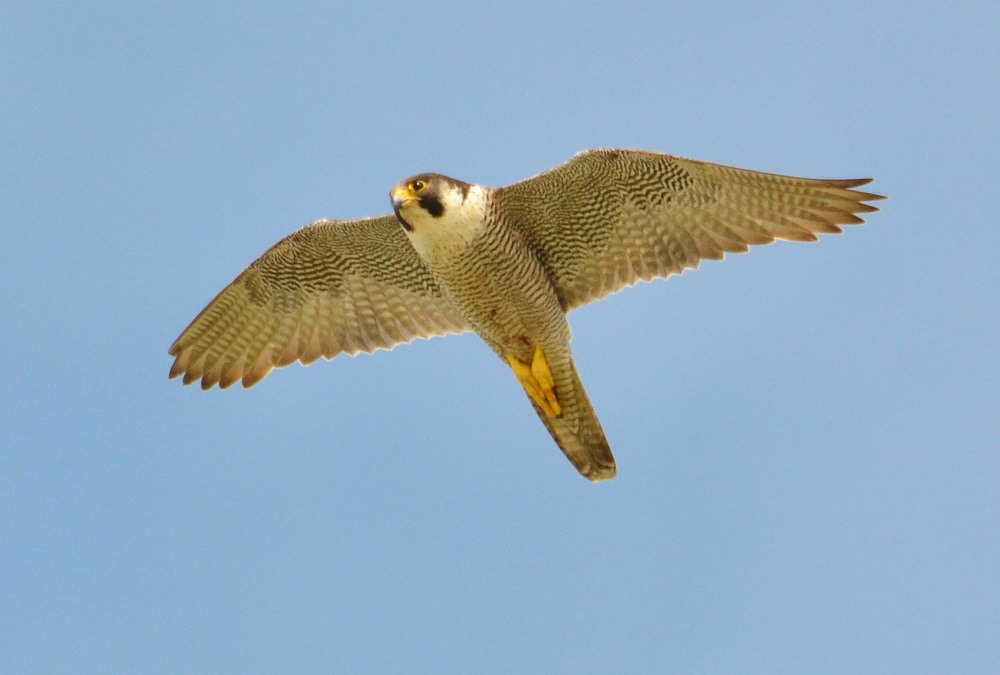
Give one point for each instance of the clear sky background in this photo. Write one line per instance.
(807, 436)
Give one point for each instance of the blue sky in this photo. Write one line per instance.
(807, 436)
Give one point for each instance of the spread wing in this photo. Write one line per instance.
(334, 286)
(610, 218)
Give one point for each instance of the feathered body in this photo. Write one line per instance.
(508, 263)
(487, 267)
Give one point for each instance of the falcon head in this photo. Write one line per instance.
(440, 214)
(424, 196)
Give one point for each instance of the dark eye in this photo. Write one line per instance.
(418, 185)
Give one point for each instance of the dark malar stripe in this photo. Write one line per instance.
(432, 205)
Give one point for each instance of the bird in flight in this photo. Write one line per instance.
(508, 263)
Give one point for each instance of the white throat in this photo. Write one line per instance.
(438, 239)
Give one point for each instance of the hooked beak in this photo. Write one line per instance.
(401, 197)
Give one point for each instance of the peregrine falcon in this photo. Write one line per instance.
(507, 263)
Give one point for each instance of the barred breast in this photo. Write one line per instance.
(505, 293)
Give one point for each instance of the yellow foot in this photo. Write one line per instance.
(537, 380)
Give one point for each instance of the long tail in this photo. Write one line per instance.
(578, 432)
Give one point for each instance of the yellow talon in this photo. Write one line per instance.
(537, 380)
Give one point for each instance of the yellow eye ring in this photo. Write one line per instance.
(418, 186)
